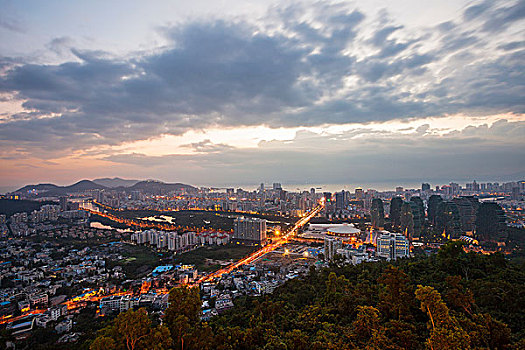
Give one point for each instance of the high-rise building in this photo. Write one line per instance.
(341, 200)
(425, 187)
(490, 222)
(454, 189)
(329, 203)
(392, 246)
(433, 203)
(359, 194)
(399, 189)
(407, 220)
(395, 211)
(377, 213)
(467, 207)
(330, 247)
(277, 186)
(515, 195)
(250, 231)
(448, 219)
(418, 212)
(63, 203)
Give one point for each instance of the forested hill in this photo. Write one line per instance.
(452, 300)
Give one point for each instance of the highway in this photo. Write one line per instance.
(95, 297)
(247, 260)
(266, 249)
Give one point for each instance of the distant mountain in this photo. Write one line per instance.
(39, 188)
(54, 190)
(147, 187)
(115, 182)
(159, 187)
(84, 185)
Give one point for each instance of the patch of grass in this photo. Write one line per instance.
(138, 260)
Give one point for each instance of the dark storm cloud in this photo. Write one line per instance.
(295, 71)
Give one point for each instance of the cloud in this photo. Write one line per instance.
(61, 45)
(359, 155)
(502, 17)
(300, 66)
(206, 146)
(11, 24)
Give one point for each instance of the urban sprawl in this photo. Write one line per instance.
(67, 251)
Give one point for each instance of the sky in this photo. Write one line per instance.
(249, 91)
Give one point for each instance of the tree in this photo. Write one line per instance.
(132, 326)
(159, 339)
(183, 312)
(130, 330)
(103, 343)
(297, 340)
(396, 298)
(490, 333)
(444, 331)
(459, 296)
(452, 258)
(185, 301)
(366, 322)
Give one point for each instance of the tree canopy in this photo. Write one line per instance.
(451, 300)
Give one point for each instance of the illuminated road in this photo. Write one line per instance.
(270, 247)
(94, 296)
(140, 223)
(247, 260)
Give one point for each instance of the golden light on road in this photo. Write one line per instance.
(270, 247)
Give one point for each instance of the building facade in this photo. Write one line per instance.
(250, 231)
(392, 246)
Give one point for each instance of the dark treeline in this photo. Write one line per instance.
(451, 300)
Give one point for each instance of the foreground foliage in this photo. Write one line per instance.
(452, 300)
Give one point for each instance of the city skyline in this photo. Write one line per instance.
(291, 187)
(248, 92)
